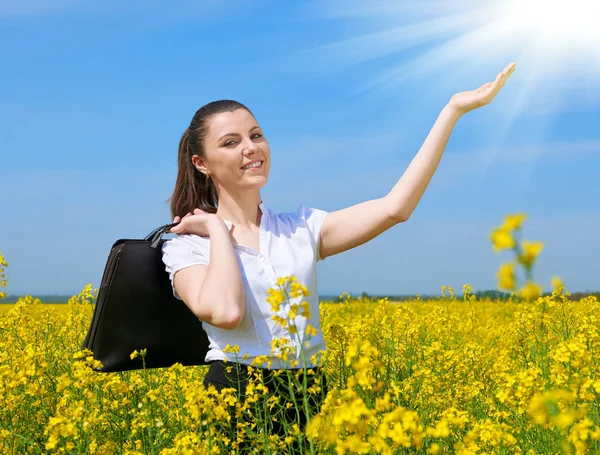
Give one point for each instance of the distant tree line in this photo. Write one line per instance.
(492, 294)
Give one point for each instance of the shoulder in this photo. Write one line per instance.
(184, 245)
(304, 219)
(183, 239)
(303, 215)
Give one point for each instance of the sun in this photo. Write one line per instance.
(445, 46)
(573, 23)
(550, 40)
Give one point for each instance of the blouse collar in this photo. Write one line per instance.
(263, 209)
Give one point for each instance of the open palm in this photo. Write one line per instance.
(466, 101)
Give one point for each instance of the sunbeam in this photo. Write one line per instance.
(555, 43)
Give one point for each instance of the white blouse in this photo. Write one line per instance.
(289, 245)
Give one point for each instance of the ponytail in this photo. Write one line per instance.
(193, 189)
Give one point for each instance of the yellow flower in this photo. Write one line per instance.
(310, 330)
(305, 309)
(293, 311)
(282, 322)
(434, 449)
(502, 239)
(275, 298)
(512, 222)
(531, 250)
(298, 290)
(552, 407)
(530, 291)
(260, 360)
(506, 276)
(228, 348)
(557, 283)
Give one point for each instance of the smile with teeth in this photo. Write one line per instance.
(253, 165)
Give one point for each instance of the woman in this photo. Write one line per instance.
(231, 248)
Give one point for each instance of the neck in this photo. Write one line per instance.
(242, 211)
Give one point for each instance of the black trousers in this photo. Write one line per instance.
(274, 421)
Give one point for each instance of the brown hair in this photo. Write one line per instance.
(192, 188)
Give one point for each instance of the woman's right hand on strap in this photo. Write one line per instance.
(196, 223)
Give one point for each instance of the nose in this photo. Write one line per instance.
(251, 148)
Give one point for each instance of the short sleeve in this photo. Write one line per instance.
(314, 220)
(177, 254)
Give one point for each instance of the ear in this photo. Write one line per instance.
(199, 164)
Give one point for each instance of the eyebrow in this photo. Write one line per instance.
(235, 134)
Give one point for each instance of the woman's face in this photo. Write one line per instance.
(235, 139)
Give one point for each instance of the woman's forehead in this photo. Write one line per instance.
(231, 122)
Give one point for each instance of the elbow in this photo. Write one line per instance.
(400, 217)
(231, 323)
(397, 213)
(227, 316)
(230, 320)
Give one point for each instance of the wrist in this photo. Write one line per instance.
(216, 223)
(452, 111)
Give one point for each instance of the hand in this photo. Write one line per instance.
(464, 102)
(196, 223)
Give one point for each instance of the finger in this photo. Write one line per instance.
(507, 72)
(196, 211)
(509, 67)
(505, 77)
(512, 70)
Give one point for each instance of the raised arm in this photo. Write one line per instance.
(350, 227)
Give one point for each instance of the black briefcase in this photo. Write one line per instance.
(136, 310)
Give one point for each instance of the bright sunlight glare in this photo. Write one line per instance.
(452, 45)
(556, 22)
(550, 40)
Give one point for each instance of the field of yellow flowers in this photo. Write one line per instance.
(451, 375)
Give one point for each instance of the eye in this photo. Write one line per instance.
(226, 144)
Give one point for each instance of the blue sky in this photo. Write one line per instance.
(95, 96)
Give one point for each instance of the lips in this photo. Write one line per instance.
(253, 162)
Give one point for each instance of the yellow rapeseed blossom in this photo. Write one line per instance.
(514, 221)
(557, 283)
(234, 349)
(275, 298)
(530, 291)
(305, 309)
(423, 376)
(506, 276)
(531, 251)
(553, 408)
(3, 280)
(502, 239)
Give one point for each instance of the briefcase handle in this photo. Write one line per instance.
(155, 236)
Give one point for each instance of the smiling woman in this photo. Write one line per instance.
(231, 250)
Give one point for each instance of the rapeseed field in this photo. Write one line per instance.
(450, 375)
